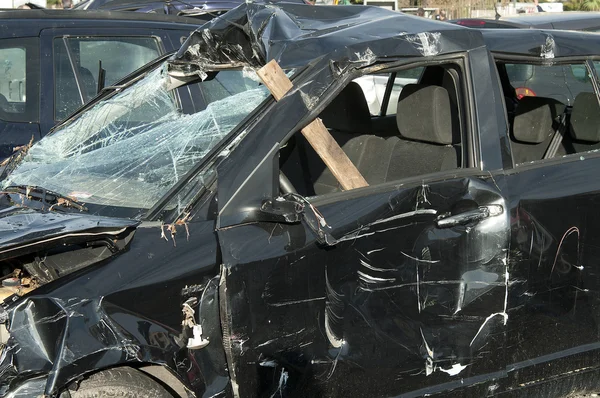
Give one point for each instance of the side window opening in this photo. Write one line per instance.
(85, 54)
(422, 136)
(552, 110)
(19, 80)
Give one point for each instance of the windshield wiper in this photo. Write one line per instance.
(49, 200)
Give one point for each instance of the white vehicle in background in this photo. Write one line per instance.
(374, 87)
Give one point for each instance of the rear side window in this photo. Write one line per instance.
(552, 110)
(19, 80)
(77, 64)
(560, 82)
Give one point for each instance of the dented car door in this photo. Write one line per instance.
(410, 293)
(384, 290)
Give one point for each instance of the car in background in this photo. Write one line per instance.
(203, 9)
(588, 21)
(51, 62)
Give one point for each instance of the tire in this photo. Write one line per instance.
(120, 382)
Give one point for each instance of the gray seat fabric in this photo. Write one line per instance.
(585, 123)
(348, 111)
(427, 128)
(533, 128)
(349, 122)
(372, 156)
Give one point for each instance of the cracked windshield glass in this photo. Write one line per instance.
(130, 149)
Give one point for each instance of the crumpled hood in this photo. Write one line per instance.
(22, 227)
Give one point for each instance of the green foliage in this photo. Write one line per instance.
(574, 5)
(591, 5)
(582, 5)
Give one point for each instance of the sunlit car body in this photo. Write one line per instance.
(155, 248)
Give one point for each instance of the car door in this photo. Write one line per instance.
(75, 54)
(554, 242)
(392, 289)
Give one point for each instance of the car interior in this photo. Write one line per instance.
(536, 121)
(425, 133)
(422, 137)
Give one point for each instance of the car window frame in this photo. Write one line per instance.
(99, 34)
(507, 58)
(32, 80)
(469, 162)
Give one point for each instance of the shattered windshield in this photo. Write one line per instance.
(131, 148)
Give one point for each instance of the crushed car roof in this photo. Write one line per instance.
(542, 43)
(295, 35)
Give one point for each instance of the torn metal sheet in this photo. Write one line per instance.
(111, 319)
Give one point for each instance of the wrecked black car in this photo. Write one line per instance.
(290, 238)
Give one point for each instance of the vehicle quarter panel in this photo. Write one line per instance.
(555, 303)
(126, 312)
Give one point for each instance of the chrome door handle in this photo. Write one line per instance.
(478, 214)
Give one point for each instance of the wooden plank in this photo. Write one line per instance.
(315, 132)
(274, 78)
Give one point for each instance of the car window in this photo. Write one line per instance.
(422, 136)
(552, 110)
(560, 82)
(119, 55)
(374, 86)
(130, 149)
(19, 80)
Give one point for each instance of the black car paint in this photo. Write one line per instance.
(124, 313)
(376, 309)
(44, 25)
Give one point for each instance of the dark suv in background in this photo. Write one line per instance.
(50, 62)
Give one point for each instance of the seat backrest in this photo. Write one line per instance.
(348, 111)
(533, 128)
(424, 119)
(585, 123)
(349, 122)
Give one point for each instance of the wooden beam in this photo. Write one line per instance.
(315, 132)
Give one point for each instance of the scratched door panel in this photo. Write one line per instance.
(396, 305)
(555, 252)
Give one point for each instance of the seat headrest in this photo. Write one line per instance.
(348, 111)
(424, 114)
(585, 118)
(534, 117)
